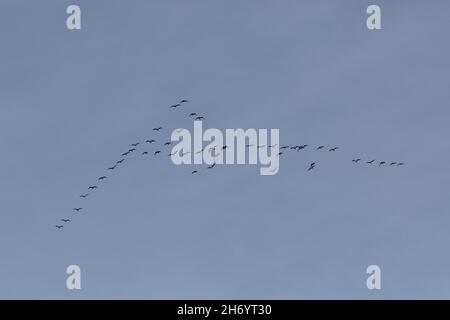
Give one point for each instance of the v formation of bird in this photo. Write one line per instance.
(195, 116)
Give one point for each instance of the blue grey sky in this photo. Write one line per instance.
(72, 101)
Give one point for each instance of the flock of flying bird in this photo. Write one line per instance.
(213, 150)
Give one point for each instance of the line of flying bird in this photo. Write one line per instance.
(212, 150)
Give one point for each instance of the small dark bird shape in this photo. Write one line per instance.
(284, 147)
(298, 148)
(392, 163)
(184, 101)
(84, 195)
(382, 162)
(144, 153)
(132, 150)
(200, 118)
(224, 147)
(77, 209)
(195, 171)
(157, 129)
(125, 153)
(400, 164)
(157, 152)
(356, 160)
(135, 144)
(320, 147)
(113, 167)
(65, 220)
(168, 143)
(334, 149)
(59, 227)
(175, 106)
(93, 187)
(212, 166)
(371, 161)
(120, 161)
(102, 178)
(312, 166)
(150, 141)
(193, 114)
(279, 153)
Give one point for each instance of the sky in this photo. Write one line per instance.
(72, 101)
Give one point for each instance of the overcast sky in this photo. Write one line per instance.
(72, 101)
